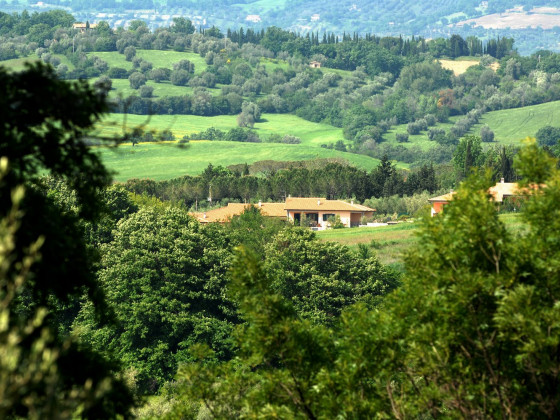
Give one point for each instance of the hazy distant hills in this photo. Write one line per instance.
(535, 24)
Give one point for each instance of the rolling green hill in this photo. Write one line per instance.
(157, 57)
(510, 126)
(164, 161)
(311, 134)
(167, 160)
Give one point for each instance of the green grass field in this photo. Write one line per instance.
(157, 58)
(166, 160)
(17, 64)
(510, 126)
(391, 242)
(311, 134)
(122, 87)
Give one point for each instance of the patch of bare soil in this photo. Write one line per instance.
(542, 17)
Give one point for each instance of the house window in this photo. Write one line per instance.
(312, 217)
(326, 216)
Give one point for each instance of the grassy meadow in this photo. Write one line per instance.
(167, 160)
(388, 242)
(162, 89)
(391, 242)
(310, 133)
(18, 64)
(156, 57)
(510, 126)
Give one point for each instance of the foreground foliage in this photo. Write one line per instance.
(473, 332)
(44, 261)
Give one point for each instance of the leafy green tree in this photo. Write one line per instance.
(165, 276)
(137, 80)
(321, 278)
(180, 77)
(184, 65)
(250, 114)
(253, 230)
(43, 123)
(182, 26)
(467, 156)
(473, 332)
(130, 53)
(548, 136)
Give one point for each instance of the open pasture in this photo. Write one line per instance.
(391, 242)
(510, 126)
(168, 160)
(311, 134)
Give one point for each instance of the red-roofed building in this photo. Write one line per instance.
(223, 214)
(319, 210)
(499, 192)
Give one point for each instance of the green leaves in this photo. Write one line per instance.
(473, 331)
(165, 277)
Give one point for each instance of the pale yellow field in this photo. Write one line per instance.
(461, 66)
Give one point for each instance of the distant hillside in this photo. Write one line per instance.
(533, 23)
(510, 126)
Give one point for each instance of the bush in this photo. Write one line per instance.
(180, 77)
(402, 137)
(242, 135)
(165, 135)
(136, 80)
(184, 65)
(335, 222)
(430, 120)
(160, 74)
(129, 53)
(146, 91)
(548, 136)
(486, 134)
(117, 73)
(413, 128)
(433, 133)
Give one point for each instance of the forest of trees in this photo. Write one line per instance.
(110, 293)
(393, 80)
(257, 317)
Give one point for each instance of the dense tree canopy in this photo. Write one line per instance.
(473, 331)
(165, 278)
(46, 264)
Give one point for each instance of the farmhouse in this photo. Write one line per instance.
(499, 192)
(83, 27)
(318, 211)
(315, 64)
(223, 214)
(253, 18)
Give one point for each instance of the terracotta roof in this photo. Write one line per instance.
(323, 204)
(443, 198)
(503, 189)
(498, 192)
(222, 214)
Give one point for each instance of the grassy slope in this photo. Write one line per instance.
(165, 161)
(159, 161)
(122, 87)
(17, 64)
(510, 126)
(311, 134)
(394, 240)
(156, 57)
